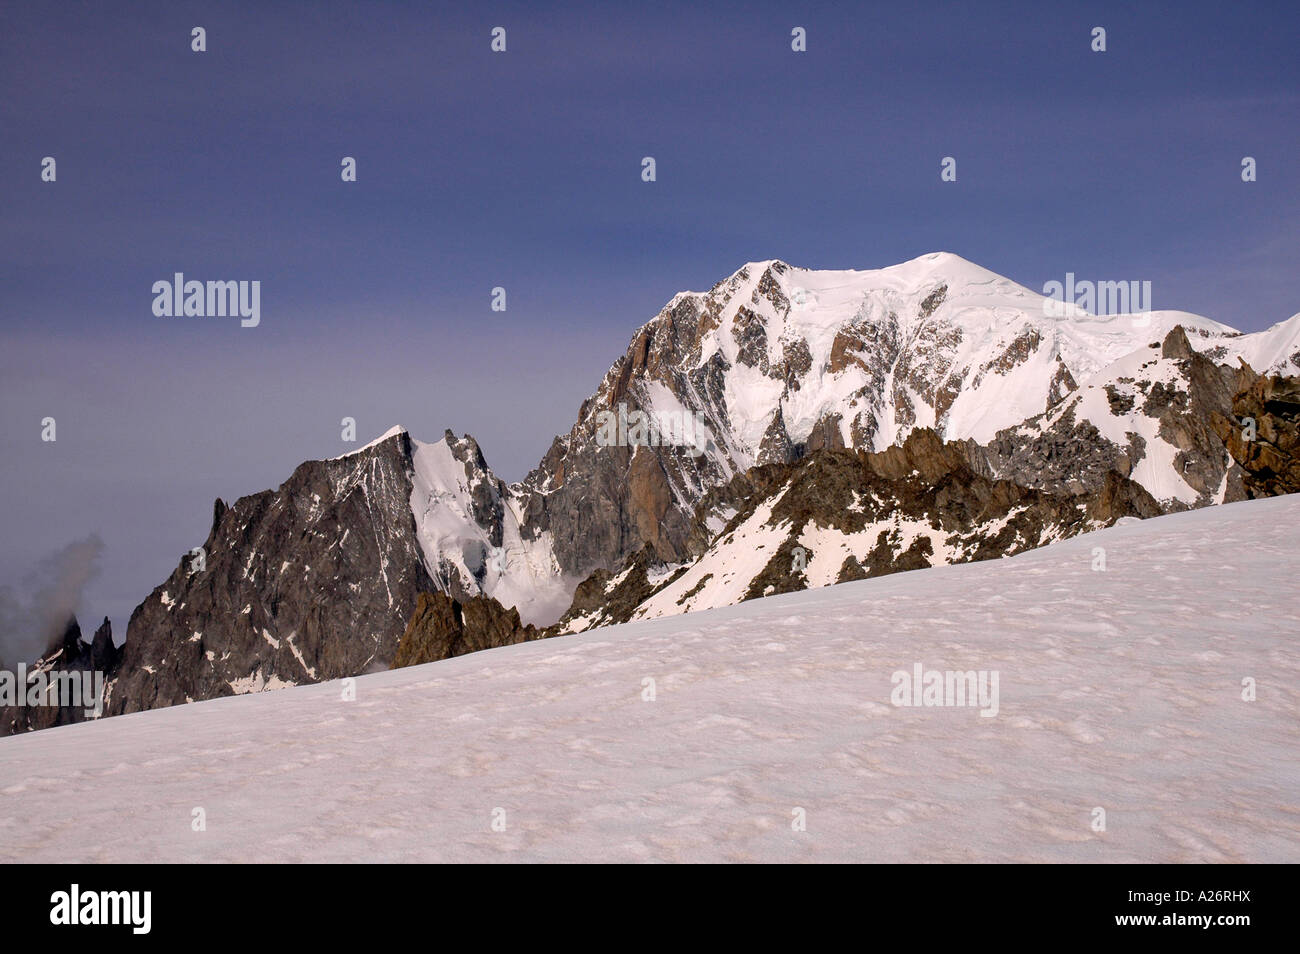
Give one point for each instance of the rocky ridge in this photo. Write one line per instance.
(795, 381)
(840, 515)
(70, 655)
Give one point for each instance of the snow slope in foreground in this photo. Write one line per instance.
(1118, 689)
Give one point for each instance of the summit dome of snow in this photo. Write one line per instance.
(934, 342)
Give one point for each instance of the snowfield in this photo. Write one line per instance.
(1119, 689)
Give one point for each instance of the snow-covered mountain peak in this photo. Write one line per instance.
(779, 357)
(771, 363)
(392, 432)
(1275, 349)
(777, 360)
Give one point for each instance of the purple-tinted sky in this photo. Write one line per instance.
(522, 170)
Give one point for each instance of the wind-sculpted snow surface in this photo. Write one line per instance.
(1119, 689)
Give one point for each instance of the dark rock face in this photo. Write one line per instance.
(313, 581)
(442, 627)
(921, 503)
(945, 485)
(1068, 455)
(488, 492)
(602, 503)
(70, 656)
(1270, 457)
(1178, 390)
(604, 597)
(1186, 417)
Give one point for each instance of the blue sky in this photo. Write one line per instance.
(522, 170)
